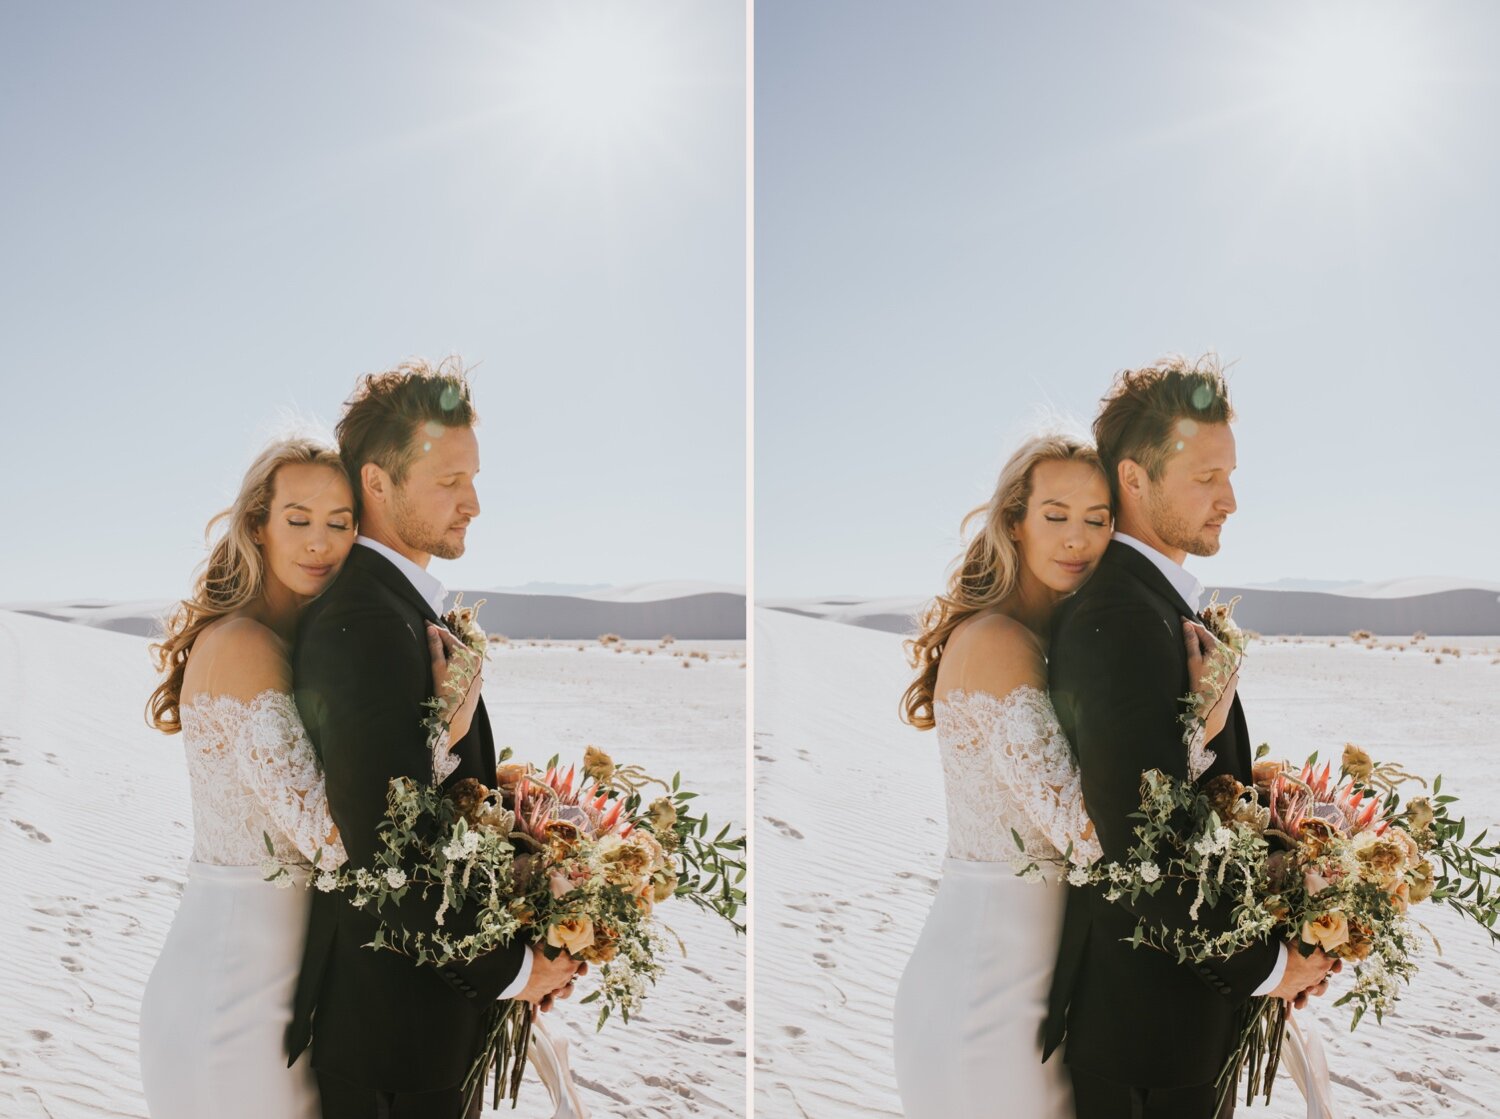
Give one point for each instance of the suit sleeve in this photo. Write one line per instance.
(361, 681)
(1121, 674)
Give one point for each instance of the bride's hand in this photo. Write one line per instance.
(441, 645)
(1200, 646)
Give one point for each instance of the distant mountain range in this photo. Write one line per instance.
(1432, 605)
(693, 611)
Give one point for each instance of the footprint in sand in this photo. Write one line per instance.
(793, 1031)
(783, 827)
(71, 964)
(40, 1035)
(32, 832)
(823, 960)
(736, 1005)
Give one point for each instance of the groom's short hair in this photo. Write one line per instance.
(381, 420)
(1138, 417)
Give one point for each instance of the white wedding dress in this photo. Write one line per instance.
(972, 1001)
(220, 996)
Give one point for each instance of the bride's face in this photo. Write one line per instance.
(310, 530)
(1067, 524)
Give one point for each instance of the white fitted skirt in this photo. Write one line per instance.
(973, 999)
(220, 999)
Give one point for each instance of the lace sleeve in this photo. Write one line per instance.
(1032, 766)
(444, 760)
(277, 762)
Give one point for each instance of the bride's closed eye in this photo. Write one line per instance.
(1063, 520)
(338, 526)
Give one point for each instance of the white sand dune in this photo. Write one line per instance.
(141, 618)
(1420, 585)
(95, 832)
(850, 836)
(661, 590)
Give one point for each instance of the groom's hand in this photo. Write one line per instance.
(563, 992)
(1305, 976)
(1318, 989)
(549, 978)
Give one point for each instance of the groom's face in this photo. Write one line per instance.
(431, 509)
(1188, 505)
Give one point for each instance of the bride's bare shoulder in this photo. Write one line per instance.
(992, 653)
(240, 657)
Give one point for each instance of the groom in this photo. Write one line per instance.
(1147, 1036)
(391, 1037)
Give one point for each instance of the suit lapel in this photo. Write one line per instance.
(476, 750)
(1143, 570)
(373, 565)
(1235, 734)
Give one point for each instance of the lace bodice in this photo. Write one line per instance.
(253, 773)
(1007, 765)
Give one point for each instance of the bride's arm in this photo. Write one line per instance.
(273, 754)
(1001, 672)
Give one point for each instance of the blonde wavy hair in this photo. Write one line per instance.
(989, 568)
(231, 576)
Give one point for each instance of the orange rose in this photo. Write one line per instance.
(1328, 932)
(573, 935)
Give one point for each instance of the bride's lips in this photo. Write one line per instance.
(1077, 568)
(317, 572)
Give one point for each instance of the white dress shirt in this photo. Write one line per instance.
(1187, 585)
(431, 588)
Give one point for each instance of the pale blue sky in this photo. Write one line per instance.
(969, 211)
(216, 216)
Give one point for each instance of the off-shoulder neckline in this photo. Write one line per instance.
(973, 695)
(200, 700)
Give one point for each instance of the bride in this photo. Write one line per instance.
(971, 1003)
(220, 996)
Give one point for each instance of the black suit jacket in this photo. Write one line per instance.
(1117, 671)
(361, 672)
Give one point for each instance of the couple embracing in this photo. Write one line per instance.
(296, 673)
(1052, 670)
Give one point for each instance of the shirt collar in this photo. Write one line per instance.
(429, 586)
(1183, 581)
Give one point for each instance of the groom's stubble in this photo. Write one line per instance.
(1176, 530)
(415, 532)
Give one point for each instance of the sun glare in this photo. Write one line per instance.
(594, 86)
(1349, 72)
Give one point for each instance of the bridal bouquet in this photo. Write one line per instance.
(569, 861)
(595, 859)
(1320, 860)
